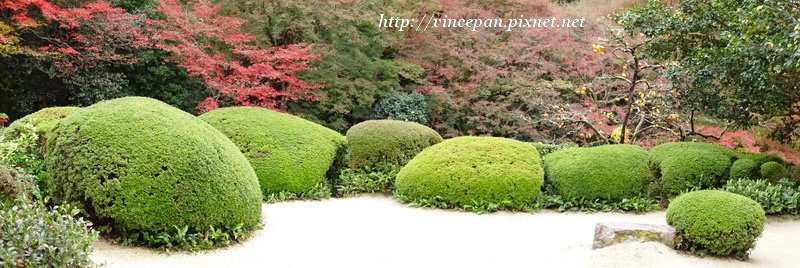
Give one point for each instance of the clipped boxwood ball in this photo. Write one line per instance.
(773, 171)
(716, 222)
(610, 172)
(743, 169)
(387, 143)
(139, 165)
(468, 170)
(43, 121)
(288, 153)
(685, 165)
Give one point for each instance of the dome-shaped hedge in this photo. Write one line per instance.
(468, 170)
(751, 166)
(773, 171)
(288, 153)
(43, 120)
(683, 165)
(387, 143)
(139, 165)
(611, 172)
(716, 222)
(743, 169)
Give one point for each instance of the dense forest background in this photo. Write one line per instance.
(642, 72)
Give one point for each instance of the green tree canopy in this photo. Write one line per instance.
(734, 59)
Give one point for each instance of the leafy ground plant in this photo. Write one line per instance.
(782, 197)
(184, 238)
(479, 207)
(34, 235)
(549, 199)
(564, 204)
(366, 180)
(318, 192)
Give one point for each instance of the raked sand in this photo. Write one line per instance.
(377, 231)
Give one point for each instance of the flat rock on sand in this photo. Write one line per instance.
(377, 231)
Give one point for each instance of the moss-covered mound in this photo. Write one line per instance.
(610, 172)
(758, 166)
(387, 143)
(43, 120)
(716, 222)
(288, 153)
(139, 165)
(744, 169)
(773, 171)
(465, 171)
(680, 166)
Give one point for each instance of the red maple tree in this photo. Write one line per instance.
(202, 41)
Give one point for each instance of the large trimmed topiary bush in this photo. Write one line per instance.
(716, 222)
(43, 121)
(290, 155)
(680, 166)
(609, 172)
(387, 143)
(139, 166)
(476, 173)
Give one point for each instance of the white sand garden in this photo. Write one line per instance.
(377, 231)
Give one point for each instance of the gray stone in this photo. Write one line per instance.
(607, 234)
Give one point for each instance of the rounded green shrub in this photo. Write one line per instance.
(288, 153)
(43, 120)
(387, 143)
(137, 165)
(473, 171)
(743, 169)
(610, 172)
(773, 171)
(716, 222)
(680, 166)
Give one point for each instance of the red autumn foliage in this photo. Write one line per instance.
(201, 40)
(495, 82)
(248, 75)
(739, 139)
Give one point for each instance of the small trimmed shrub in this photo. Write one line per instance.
(609, 172)
(716, 222)
(386, 144)
(773, 171)
(743, 169)
(43, 120)
(681, 166)
(139, 166)
(290, 155)
(481, 174)
(33, 235)
(782, 197)
(751, 166)
(759, 159)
